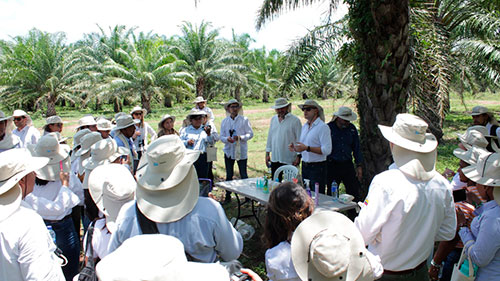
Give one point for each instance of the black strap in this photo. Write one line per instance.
(493, 132)
(147, 226)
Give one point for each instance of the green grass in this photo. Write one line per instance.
(259, 115)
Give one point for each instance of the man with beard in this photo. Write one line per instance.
(345, 146)
(285, 129)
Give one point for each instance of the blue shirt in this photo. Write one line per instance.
(200, 137)
(485, 232)
(345, 144)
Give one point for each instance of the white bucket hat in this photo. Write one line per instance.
(472, 155)
(14, 165)
(138, 108)
(345, 113)
(167, 188)
(199, 99)
(315, 104)
(104, 124)
(164, 118)
(87, 141)
(117, 115)
(111, 186)
(103, 152)
(125, 121)
(409, 132)
(58, 154)
(9, 140)
(52, 120)
(86, 121)
(231, 101)
(77, 137)
(3, 117)
(155, 257)
(474, 136)
(19, 113)
(280, 103)
(478, 110)
(486, 171)
(196, 112)
(327, 246)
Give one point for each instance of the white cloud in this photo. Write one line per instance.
(163, 17)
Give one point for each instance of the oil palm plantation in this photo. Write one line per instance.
(39, 69)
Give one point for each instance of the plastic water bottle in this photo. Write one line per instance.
(308, 189)
(52, 233)
(316, 194)
(335, 191)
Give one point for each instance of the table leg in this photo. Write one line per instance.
(255, 214)
(239, 209)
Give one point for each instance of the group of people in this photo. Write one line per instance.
(137, 194)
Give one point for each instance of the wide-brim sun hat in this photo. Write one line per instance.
(20, 113)
(77, 138)
(165, 259)
(313, 103)
(199, 99)
(15, 164)
(410, 132)
(87, 141)
(9, 141)
(103, 152)
(486, 171)
(86, 121)
(345, 113)
(52, 120)
(327, 246)
(232, 101)
(104, 124)
(125, 121)
(280, 103)
(474, 136)
(58, 154)
(111, 186)
(3, 117)
(138, 108)
(472, 155)
(164, 118)
(167, 185)
(196, 112)
(478, 110)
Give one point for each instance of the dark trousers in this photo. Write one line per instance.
(67, 241)
(343, 172)
(201, 166)
(76, 216)
(242, 167)
(274, 167)
(449, 262)
(315, 173)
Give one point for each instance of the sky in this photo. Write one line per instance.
(76, 18)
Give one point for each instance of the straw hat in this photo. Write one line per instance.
(167, 188)
(103, 152)
(138, 108)
(345, 113)
(86, 121)
(280, 103)
(19, 113)
(104, 124)
(165, 117)
(478, 110)
(14, 165)
(328, 246)
(472, 155)
(111, 186)
(314, 104)
(231, 101)
(58, 154)
(155, 257)
(199, 99)
(125, 121)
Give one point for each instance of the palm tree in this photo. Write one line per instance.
(265, 72)
(39, 68)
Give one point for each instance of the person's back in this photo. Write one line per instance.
(205, 231)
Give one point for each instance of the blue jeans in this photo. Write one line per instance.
(449, 262)
(67, 241)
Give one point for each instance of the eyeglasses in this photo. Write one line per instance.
(58, 124)
(307, 108)
(137, 113)
(19, 118)
(234, 106)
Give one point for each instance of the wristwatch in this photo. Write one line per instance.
(433, 263)
(308, 148)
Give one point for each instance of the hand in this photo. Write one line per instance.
(448, 173)
(235, 138)
(64, 177)
(136, 134)
(359, 173)
(296, 162)
(208, 130)
(251, 274)
(190, 142)
(230, 140)
(472, 197)
(299, 147)
(126, 160)
(460, 218)
(433, 272)
(291, 147)
(268, 160)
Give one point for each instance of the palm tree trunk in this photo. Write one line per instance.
(200, 86)
(381, 30)
(51, 105)
(117, 106)
(237, 94)
(265, 96)
(167, 100)
(145, 101)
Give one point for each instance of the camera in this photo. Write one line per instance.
(234, 267)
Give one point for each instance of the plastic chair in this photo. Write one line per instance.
(289, 172)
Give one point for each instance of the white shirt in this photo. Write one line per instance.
(52, 201)
(456, 184)
(100, 240)
(205, 231)
(280, 135)
(141, 142)
(28, 134)
(242, 129)
(317, 135)
(279, 265)
(402, 218)
(209, 112)
(27, 249)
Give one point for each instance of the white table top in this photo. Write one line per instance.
(247, 188)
